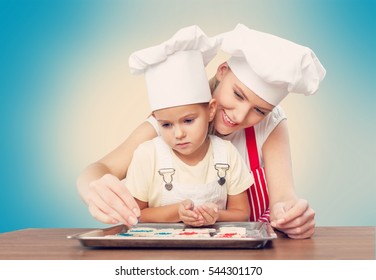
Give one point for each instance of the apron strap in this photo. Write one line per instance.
(164, 158)
(258, 193)
(220, 158)
(250, 138)
(219, 150)
(166, 169)
(163, 152)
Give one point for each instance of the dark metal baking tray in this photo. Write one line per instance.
(257, 236)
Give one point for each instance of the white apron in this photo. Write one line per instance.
(175, 192)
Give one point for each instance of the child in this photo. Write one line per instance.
(185, 175)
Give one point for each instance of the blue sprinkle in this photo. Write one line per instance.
(126, 234)
(141, 230)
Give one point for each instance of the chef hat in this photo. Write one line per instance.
(175, 70)
(271, 66)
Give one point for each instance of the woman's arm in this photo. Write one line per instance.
(278, 166)
(99, 184)
(288, 213)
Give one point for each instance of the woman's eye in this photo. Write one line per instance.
(260, 111)
(238, 95)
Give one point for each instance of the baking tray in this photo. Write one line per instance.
(258, 234)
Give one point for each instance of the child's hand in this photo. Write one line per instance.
(209, 213)
(189, 215)
(110, 202)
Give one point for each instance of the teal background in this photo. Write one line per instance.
(67, 97)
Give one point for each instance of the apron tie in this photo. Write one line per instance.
(257, 193)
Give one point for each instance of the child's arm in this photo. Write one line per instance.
(237, 210)
(173, 213)
(161, 214)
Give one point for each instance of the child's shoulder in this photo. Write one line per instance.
(224, 147)
(227, 143)
(146, 148)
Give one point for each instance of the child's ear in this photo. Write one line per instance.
(212, 108)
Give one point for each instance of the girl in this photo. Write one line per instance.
(185, 175)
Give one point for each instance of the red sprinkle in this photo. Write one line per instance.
(187, 233)
(227, 235)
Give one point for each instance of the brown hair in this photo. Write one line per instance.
(213, 83)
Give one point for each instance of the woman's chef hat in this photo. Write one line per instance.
(175, 70)
(271, 66)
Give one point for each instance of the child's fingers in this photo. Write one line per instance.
(189, 215)
(188, 204)
(209, 214)
(189, 219)
(185, 213)
(196, 223)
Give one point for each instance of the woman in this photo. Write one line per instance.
(263, 69)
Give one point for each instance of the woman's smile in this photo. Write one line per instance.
(227, 120)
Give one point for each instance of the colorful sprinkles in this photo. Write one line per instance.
(222, 232)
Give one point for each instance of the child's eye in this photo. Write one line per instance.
(166, 125)
(188, 121)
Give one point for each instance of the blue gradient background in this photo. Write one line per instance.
(67, 97)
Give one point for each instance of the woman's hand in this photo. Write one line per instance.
(294, 217)
(110, 202)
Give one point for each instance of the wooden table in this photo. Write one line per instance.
(328, 243)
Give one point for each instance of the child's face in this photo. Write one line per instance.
(237, 106)
(185, 128)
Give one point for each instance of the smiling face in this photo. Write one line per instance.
(238, 107)
(185, 129)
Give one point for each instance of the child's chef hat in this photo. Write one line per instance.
(271, 66)
(175, 70)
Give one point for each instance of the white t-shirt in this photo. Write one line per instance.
(145, 183)
(262, 132)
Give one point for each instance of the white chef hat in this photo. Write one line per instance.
(175, 70)
(271, 66)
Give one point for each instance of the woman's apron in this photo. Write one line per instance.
(174, 192)
(257, 193)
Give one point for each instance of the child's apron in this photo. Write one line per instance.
(257, 193)
(175, 192)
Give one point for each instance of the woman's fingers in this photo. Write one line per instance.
(109, 198)
(294, 218)
(129, 204)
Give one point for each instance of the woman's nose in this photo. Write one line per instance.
(241, 113)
